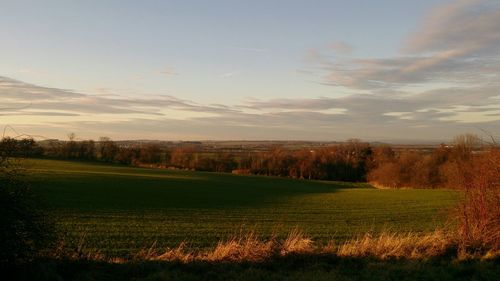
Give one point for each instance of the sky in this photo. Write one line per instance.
(250, 70)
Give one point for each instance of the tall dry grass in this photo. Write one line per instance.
(296, 243)
(250, 248)
(241, 248)
(178, 253)
(397, 245)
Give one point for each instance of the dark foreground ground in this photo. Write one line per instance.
(301, 267)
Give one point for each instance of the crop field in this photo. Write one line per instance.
(119, 210)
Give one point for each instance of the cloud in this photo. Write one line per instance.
(254, 50)
(448, 72)
(427, 106)
(466, 25)
(20, 97)
(456, 43)
(37, 113)
(229, 74)
(433, 114)
(443, 82)
(168, 71)
(341, 47)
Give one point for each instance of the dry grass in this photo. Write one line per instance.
(241, 248)
(296, 243)
(250, 248)
(395, 245)
(178, 253)
(147, 253)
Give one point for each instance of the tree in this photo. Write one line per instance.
(107, 149)
(20, 148)
(87, 150)
(184, 157)
(127, 155)
(70, 148)
(150, 154)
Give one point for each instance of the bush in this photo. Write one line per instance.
(24, 229)
(479, 210)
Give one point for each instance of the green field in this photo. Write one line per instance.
(122, 209)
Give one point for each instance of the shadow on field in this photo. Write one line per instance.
(80, 185)
(295, 267)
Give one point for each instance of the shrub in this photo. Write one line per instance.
(479, 210)
(24, 229)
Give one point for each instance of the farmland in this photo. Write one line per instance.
(119, 209)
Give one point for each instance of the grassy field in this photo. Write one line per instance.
(122, 209)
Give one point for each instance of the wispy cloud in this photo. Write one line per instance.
(444, 81)
(229, 74)
(255, 50)
(370, 116)
(168, 71)
(457, 43)
(451, 62)
(15, 95)
(466, 26)
(341, 47)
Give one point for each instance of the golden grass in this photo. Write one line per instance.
(242, 248)
(396, 245)
(176, 254)
(250, 248)
(296, 243)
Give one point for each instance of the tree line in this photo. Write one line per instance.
(353, 160)
(443, 167)
(468, 164)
